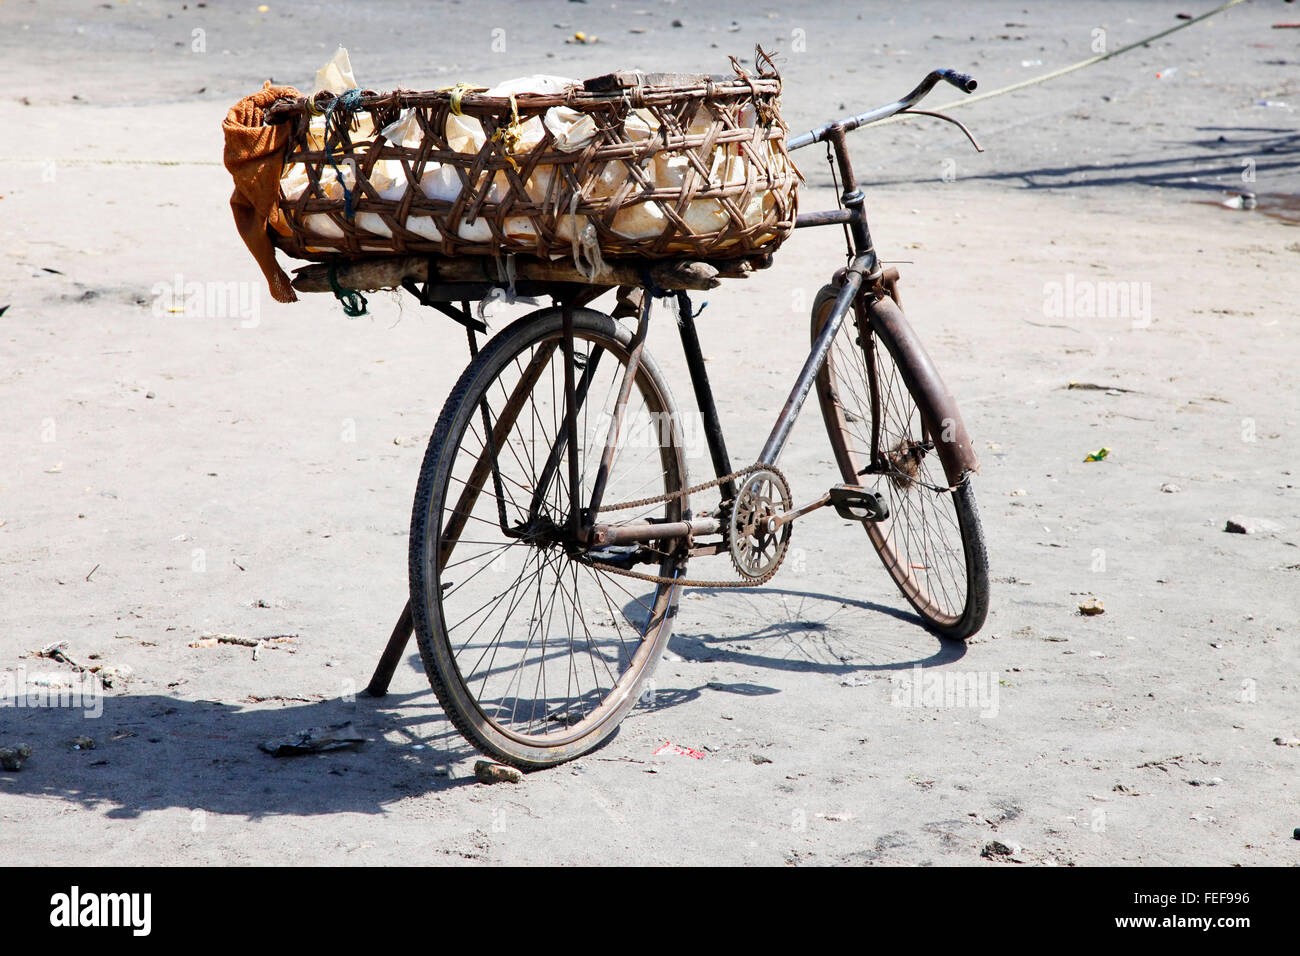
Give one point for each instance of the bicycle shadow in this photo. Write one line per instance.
(154, 752)
(808, 638)
(1190, 165)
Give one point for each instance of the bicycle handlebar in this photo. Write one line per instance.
(962, 81)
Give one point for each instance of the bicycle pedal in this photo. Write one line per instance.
(855, 503)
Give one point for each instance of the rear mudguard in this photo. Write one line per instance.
(936, 403)
(952, 443)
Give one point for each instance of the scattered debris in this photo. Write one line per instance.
(856, 681)
(1098, 455)
(13, 758)
(1017, 493)
(92, 571)
(759, 759)
(1212, 782)
(1287, 741)
(1170, 488)
(314, 741)
(83, 743)
(111, 675)
(996, 848)
(258, 644)
(488, 772)
(1176, 760)
(52, 681)
(840, 817)
(1093, 387)
(1091, 607)
(671, 748)
(58, 652)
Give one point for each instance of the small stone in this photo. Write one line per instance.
(488, 772)
(759, 759)
(1017, 492)
(1170, 488)
(83, 743)
(1241, 524)
(13, 758)
(1091, 607)
(1295, 834)
(150, 395)
(1287, 741)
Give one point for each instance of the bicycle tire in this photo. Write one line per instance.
(912, 487)
(458, 664)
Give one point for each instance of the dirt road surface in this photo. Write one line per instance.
(168, 475)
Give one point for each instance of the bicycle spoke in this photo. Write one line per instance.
(543, 649)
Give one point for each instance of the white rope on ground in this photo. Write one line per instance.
(1091, 61)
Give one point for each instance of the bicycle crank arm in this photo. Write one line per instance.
(851, 502)
(774, 524)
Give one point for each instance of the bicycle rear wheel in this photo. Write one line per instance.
(932, 543)
(533, 644)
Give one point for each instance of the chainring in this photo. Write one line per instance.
(756, 550)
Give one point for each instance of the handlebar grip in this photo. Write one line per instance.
(962, 81)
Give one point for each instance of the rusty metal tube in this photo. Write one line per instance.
(604, 535)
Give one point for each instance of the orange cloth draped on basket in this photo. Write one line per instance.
(255, 158)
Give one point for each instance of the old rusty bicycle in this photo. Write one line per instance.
(548, 552)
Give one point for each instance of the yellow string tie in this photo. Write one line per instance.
(508, 137)
(457, 92)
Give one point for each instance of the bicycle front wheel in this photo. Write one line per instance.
(932, 543)
(535, 646)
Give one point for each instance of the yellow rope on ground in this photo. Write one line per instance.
(967, 101)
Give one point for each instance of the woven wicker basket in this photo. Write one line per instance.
(672, 167)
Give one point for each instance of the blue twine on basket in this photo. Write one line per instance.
(652, 288)
(350, 100)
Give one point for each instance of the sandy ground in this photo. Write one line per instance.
(166, 475)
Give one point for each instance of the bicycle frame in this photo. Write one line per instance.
(864, 288)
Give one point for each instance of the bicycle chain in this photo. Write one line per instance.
(663, 499)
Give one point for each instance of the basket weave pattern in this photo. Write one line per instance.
(538, 198)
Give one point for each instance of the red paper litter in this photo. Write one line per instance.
(671, 748)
